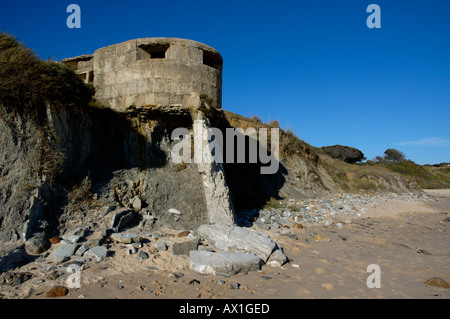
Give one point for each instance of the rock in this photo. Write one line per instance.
(234, 285)
(131, 249)
(80, 231)
(184, 233)
(126, 238)
(54, 240)
(277, 259)
(14, 279)
(184, 247)
(137, 203)
(194, 282)
(122, 218)
(59, 291)
(437, 282)
(142, 255)
(225, 237)
(63, 252)
(322, 238)
(174, 211)
(36, 245)
(81, 250)
(72, 239)
(160, 245)
(223, 263)
(98, 252)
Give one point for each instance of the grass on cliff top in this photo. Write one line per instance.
(426, 177)
(29, 84)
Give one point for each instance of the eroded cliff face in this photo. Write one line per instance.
(124, 156)
(66, 161)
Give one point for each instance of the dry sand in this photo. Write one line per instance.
(409, 241)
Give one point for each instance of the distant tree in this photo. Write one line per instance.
(379, 159)
(394, 155)
(344, 153)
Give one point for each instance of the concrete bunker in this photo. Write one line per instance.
(152, 72)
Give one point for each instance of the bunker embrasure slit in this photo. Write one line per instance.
(153, 51)
(212, 59)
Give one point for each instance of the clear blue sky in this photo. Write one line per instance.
(312, 65)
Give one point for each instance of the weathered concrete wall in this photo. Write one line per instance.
(153, 71)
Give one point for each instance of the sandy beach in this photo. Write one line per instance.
(407, 240)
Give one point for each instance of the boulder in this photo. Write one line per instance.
(122, 218)
(224, 263)
(277, 259)
(226, 237)
(98, 252)
(36, 245)
(63, 252)
(185, 247)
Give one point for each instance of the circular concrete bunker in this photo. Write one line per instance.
(153, 71)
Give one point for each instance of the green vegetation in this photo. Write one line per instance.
(426, 177)
(28, 85)
(344, 153)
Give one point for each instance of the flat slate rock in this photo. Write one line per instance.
(224, 263)
(184, 247)
(235, 238)
(98, 252)
(63, 252)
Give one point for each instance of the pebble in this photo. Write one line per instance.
(59, 291)
(234, 285)
(194, 282)
(142, 255)
(331, 212)
(437, 282)
(174, 211)
(160, 245)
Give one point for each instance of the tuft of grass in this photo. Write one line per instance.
(28, 85)
(81, 197)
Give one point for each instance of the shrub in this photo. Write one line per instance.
(344, 153)
(274, 123)
(394, 155)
